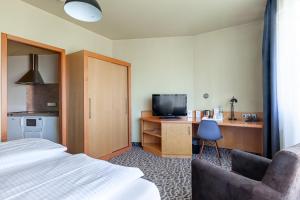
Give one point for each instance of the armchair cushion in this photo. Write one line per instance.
(249, 165)
(210, 183)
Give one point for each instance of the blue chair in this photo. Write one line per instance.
(209, 131)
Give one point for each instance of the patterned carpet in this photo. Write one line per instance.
(172, 176)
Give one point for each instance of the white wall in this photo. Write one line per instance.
(228, 63)
(222, 63)
(161, 65)
(48, 68)
(23, 20)
(16, 94)
(17, 67)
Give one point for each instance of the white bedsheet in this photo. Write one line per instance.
(20, 152)
(76, 177)
(140, 189)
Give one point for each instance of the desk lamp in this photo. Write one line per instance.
(232, 101)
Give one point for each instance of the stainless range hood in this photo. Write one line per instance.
(33, 76)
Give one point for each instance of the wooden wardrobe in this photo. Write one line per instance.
(98, 99)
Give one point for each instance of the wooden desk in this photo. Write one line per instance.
(236, 123)
(174, 137)
(246, 136)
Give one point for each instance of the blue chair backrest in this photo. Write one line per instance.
(209, 130)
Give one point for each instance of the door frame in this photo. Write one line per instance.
(62, 83)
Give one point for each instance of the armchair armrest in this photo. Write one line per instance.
(249, 165)
(210, 183)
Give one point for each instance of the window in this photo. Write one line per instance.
(288, 74)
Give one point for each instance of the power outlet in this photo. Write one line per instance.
(246, 115)
(254, 116)
(249, 116)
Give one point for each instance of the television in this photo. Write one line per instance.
(169, 105)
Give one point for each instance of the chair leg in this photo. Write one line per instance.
(201, 149)
(217, 149)
(218, 152)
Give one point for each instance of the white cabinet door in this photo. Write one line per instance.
(14, 128)
(51, 129)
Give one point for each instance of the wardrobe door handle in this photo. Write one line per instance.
(90, 108)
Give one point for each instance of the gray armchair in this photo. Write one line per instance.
(252, 177)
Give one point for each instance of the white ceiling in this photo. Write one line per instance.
(128, 19)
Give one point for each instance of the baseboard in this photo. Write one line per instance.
(115, 154)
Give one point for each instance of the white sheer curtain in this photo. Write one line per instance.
(288, 76)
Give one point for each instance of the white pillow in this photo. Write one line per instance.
(19, 152)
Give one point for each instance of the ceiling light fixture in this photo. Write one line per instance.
(83, 10)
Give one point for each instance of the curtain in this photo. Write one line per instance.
(289, 71)
(270, 98)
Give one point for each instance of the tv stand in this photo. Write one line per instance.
(169, 117)
(166, 137)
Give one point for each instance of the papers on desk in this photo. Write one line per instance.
(218, 114)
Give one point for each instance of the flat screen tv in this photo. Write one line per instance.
(169, 105)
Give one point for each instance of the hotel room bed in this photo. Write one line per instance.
(140, 189)
(37, 169)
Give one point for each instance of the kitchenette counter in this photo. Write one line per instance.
(33, 113)
(25, 124)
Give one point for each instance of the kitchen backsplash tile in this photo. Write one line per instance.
(38, 96)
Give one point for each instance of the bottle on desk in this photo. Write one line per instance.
(190, 114)
(218, 114)
(198, 114)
